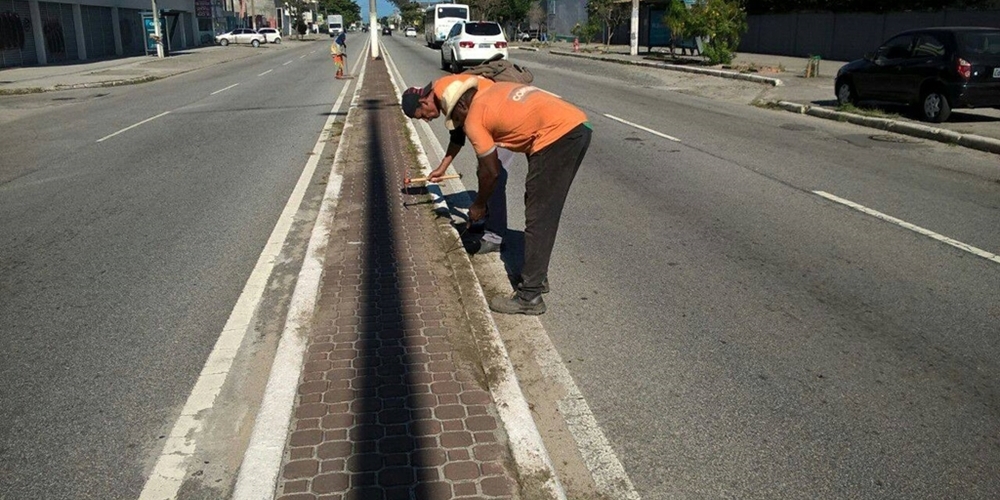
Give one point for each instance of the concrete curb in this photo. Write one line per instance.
(732, 75)
(536, 474)
(971, 141)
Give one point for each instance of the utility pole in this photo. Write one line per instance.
(156, 31)
(372, 23)
(633, 36)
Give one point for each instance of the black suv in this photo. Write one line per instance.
(935, 69)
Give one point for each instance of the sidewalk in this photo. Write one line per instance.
(787, 89)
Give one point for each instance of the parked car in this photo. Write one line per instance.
(934, 69)
(472, 42)
(241, 35)
(387, 31)
(410, 31)
(271, 35)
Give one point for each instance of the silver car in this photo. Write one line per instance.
(241, 35)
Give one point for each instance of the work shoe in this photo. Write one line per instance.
(545, 285)
(487, 246)
(517, 304)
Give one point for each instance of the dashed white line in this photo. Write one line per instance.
(225, 89)
(640, 127)
(917, 229)
(266, 72)
(147, 120)
(303, 55)
(287, 63)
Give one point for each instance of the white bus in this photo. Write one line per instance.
(439, 18)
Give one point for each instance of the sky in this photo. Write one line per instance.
(382, 7)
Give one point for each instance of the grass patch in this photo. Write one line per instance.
(872, 112)
(764, 104)
(30, 90)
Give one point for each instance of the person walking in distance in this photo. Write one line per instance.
(554, 135)
(338, 51)
(424, 103)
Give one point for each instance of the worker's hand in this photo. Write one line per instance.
(477, 212)
(437, 174)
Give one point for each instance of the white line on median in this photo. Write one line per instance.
(147, 120)
(225, 89)
(266, 72)
(640, 127)
(917, 229)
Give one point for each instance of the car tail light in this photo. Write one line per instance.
(466, 45)
(964, 68)
(500, 45)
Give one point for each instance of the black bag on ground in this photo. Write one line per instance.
(501, 70)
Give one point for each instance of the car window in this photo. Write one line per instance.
(981, 43)
(482, 29)
(896, 48)
(928, 46)
(455, 30)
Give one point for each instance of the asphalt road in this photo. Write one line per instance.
(738, 335)
(124, 251)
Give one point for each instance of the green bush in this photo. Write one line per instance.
(720, 23)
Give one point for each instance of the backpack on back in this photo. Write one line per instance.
(501, 70)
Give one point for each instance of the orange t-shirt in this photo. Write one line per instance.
(518, 117)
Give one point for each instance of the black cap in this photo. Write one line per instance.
(411, 98)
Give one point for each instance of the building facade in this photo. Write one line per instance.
(34, 32)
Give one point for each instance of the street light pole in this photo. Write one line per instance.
(156, 31)
(372, 18)
(633, 42)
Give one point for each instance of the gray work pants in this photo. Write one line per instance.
(550, 174)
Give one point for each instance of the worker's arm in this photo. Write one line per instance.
(455, 143)
(449, 156)
(488, 172)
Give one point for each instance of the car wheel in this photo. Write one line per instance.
(444, 64)
(846, 93)
(455, 66)
(935, 106)
(222, 42)
(255, 43)
(277, 40)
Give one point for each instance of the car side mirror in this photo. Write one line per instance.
(869, 56)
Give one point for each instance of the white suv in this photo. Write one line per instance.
(471, 43)
(241, 35)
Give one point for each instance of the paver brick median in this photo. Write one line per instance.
(388, 404)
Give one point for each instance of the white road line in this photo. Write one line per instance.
(287, 63)
(266, 72)
(640, 127)
(171, 466)
(917, 229)
(147, 120)
(262, 459)
(302, 56)
(225, 89)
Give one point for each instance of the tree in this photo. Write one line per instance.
(411, 13)
(721, 23)
(611, 12)
(678, 20)
(347, 8)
